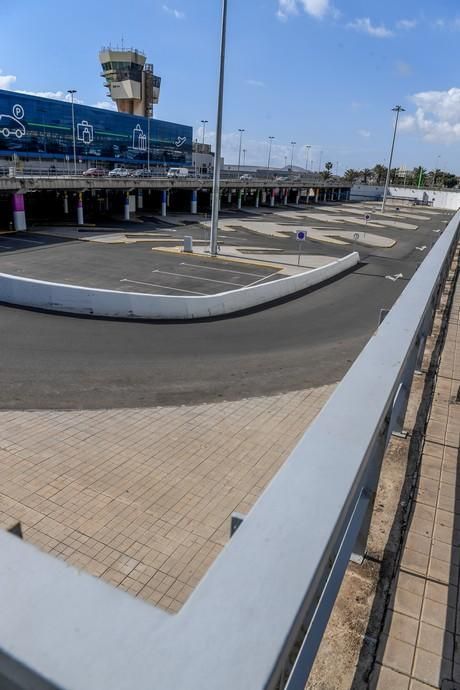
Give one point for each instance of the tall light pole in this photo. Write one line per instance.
(220, 104)
(244, 157)
(239, 150)
(270, 141)
(72, 92)
(149, 115)
(204, 123)
(293, 143)
(397, 109)
(320, 161)
(308, 147)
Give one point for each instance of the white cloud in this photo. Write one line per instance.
(255, 82)
(175, 13)
(7, 81)
(55, 95)
(105, 105)
(406, 24)
(364, 133)
(365, 25)
(437, 115)
(315, 8)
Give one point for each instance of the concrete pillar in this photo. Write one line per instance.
(240, 197)
(126, 207)
(19, 212)
(80, 216)
(264, 196)
(316, 196)
(229, 196)
(140, 199)
(272, 198)
(257, 198)
(164, 201)
(107, 201)
(297, 198)
(66, 204)
(194, 202)
(286, 194)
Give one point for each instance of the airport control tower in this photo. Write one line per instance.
(130, 80)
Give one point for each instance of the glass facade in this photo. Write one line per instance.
(34, 127)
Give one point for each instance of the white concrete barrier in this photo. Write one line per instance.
(75, 299)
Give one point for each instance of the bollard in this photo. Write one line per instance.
(188, 244)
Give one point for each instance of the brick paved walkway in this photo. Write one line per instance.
(419, 649)
(143, 497)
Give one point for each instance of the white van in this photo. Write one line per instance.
(178, 172)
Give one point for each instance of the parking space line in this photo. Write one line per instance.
(264, 278)
(20, 239)
(165, 287)
(208, 280)
(225, 270)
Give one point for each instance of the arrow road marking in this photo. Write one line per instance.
(395, 277)
(422, 248)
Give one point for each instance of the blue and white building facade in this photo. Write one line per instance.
(40, 130)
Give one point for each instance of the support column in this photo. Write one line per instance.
(80, 217)
(194, 202)
(272, 198)
(107, 201)
(240, 196)
(264, 197)
(229, 196)
(66, 204)
(140, 199)
(164, 199)
(19, 213)
(286, 194)
(297, 198)
(126, 208)
(316, 196)
(257, 198)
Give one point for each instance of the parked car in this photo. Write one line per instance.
(141, 172)
(119, 172)
(177, 172)
(95, 172)
(246, 176)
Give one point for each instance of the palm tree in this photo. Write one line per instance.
(365, 173)
(379, 171)
(351, 174)
(327, 170)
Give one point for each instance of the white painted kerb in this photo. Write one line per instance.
(76, 299)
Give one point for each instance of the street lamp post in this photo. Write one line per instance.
(204, 123)
(308, 147)
(293, 143)
(397, 109)
(149, 115)
(72, 92)
(270, 140)
(239, 150)
(244, 157)
(220, 104)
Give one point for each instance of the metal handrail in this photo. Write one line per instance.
(272, 589)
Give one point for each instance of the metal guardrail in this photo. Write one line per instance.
(256, 620)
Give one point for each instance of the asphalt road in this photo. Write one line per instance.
(49, 361)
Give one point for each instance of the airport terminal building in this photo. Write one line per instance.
(40, 131)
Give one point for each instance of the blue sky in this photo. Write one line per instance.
(318, 72)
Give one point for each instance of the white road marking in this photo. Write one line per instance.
(209, 280)
(422, 248)
(165, 287)
(264, 278)
(395, 277)
(20, 239)
(225, 270)
(5, 246)
(438, 230)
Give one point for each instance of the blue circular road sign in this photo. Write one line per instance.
(301, 235)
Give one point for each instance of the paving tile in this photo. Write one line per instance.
(435, 640)
(395, 654)
(383, 678)
(429, 667)
(401, 627)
